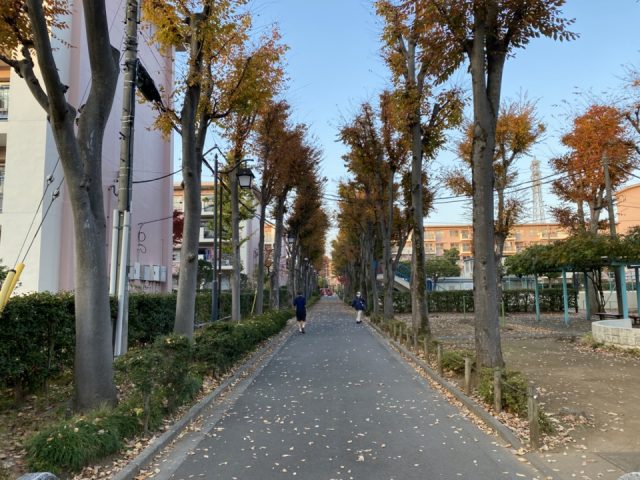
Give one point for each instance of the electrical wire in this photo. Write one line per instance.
(158, 178)
(54, 196)
(463, 198)
(50, 179)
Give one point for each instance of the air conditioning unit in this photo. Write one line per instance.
(134, 271)
(147, 273)
(163, 273)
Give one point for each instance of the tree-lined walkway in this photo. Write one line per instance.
(335, 403)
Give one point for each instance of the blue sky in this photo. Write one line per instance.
(334, 64)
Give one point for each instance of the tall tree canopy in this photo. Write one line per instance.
(598, 135)
(517, 131)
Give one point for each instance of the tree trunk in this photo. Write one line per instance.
(260, 273)
(486, 102)
(236, 314)
(191, 177)
(292, 272)
(499, 252)
(274, 278)
(373, 271)
(81, 158)
(387, 263)
(419, 318)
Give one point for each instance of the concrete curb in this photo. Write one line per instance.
(130, 471)
(501, 430)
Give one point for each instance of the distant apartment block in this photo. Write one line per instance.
(439, 238)
(249, 235)
(28, 156)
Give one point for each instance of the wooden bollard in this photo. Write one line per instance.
(467, 375)
(439, 359)
(415, 340)
(497, 390)
(408, 339)
(425, 344)
(534, 424)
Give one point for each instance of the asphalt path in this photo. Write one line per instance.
(337, 403)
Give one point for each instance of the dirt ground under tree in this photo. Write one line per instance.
(594, 394)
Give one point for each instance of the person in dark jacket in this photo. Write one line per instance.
(359, 304)
(301, 310)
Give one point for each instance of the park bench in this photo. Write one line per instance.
(635, 320)
(605, 315)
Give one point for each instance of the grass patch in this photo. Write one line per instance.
(589, 341)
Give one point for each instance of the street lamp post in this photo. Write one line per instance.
(244, 178)
(305, 277)
(291, 240)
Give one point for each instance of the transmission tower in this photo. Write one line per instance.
(538, 202)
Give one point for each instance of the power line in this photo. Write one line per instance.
(157, 178)
(50, 179)
(54, 196)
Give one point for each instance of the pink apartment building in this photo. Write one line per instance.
(28, 155)
(628, 203)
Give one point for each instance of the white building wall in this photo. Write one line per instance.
(31, 155)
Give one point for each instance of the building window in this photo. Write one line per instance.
(454, 234)
(207, 204)
(178, 203)
(4, 102)
(207, 230)
(465, 235)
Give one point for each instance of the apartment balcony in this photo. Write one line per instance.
(4, 102)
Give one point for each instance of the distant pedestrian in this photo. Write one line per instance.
(301, 310)
(359, 304)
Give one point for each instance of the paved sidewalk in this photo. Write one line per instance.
(335, 403)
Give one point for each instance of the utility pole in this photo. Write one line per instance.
(612, 228)
(122, 217)
(214, 257)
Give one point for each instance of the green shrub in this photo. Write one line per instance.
(160, 374)
(36, 339)
(514, 395)
(157, 378)
(453, 360)
(514, 390)
(150, 316)
(47, 321)
(219, 345)
(70, 445)
(460, 301)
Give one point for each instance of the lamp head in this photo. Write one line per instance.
(245, 177)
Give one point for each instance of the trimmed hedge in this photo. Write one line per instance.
(158, 378)
(458, 301)
(47, 320)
